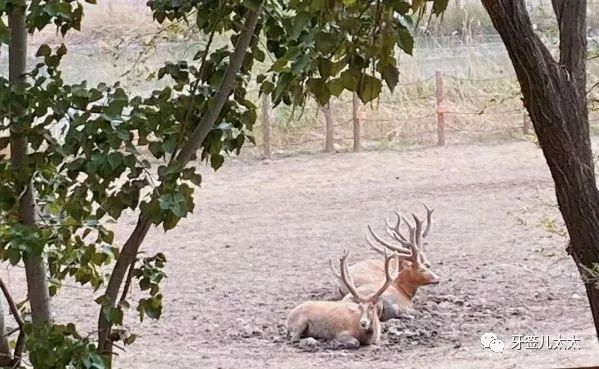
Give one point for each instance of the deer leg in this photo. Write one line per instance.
(346, 340)
(297, 330)
(393, 311)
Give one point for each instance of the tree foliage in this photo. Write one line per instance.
(92, 171)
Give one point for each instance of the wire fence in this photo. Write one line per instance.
(436, 110)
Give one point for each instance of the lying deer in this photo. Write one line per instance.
(349, 323)
(414, 268)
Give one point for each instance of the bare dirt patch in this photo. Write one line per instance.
(262, 233)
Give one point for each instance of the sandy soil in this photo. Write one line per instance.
(262, 233)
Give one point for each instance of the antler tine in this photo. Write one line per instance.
(418, 231)
(418, 244)
(380, 250)
(397, 228)
(378, 239)
(415, 252)
(397, 223)
(346, 277)
(411, 229)
(429, 218)
(335, 272)
(388, 278)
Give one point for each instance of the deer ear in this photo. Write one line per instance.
(379, 309)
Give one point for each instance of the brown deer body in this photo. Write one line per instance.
(350, 323)
(414, 269)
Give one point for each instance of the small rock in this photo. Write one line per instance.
(249, 331)
(576, 296)
(277, 339)
(445, 305)
(515, 311)
(409, 333)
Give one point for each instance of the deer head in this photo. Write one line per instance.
(414, 265)
(370, 309)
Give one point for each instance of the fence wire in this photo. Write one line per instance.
(471, 110)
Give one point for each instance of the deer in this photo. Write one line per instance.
(414, 268)
(348, 323)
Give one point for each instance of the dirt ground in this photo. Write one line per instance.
(261, 235)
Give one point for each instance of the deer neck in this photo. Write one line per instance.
(406, 286)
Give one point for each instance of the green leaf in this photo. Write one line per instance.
(349, 80)
(43, 50)
(115, 159)
(216, 161)
(326, 42)
(320, 90)
(370, 88)
(439, 6)
(405, 41)
(390, 74)
(335, 87)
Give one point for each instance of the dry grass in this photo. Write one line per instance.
(104, 21)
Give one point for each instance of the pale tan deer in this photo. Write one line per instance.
(414, 269)
(349, 323)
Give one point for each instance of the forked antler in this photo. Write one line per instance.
(347, 279)
(416, 235)
(429, 220)
(398, 249)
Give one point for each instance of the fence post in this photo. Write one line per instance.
(356, 119)
(330, 128)
(525, 123)
(266, 126)
(441, 110)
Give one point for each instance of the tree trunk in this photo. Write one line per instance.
(356, 119)
(266, 126)
(35, 267)
(329, 140)
(554, 94)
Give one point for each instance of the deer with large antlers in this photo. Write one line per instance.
(414, 267)
(349, 323)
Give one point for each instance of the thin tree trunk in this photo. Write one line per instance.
(266, 126)
(5, 355)
(357, 123)
(35, 268)
(554, 94)
(131, 246)
(329, 142)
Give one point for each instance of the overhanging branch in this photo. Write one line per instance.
(131, 246)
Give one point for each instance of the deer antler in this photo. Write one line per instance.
(347, 279)
(396, 248)
(429, 222)
(394, 231)
(335, 273)
(388, 279)
(416, 235)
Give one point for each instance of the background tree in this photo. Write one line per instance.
(93, 171)
(555, 95)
